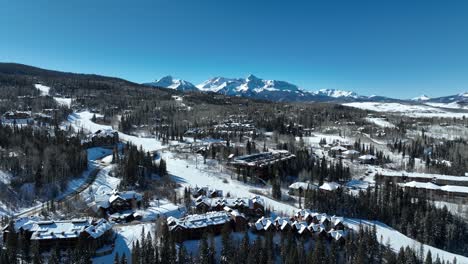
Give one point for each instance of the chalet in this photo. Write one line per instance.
(64, 233)
(102, 137)
(437, 192)
(194, 226)
(298, 188)
(367, 159)
(263, 159)
(439, 179)
(301, 228)
(322, 226)
(317, 230)
(253, 206)
(350, 154)
(330, 186)
(264, 225)
(337, 150)
(282, 224)
(206, 191)
(16, 118)
(260, 162)
(115, 201)
(338, 235)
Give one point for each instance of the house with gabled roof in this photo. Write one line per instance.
(194, 226)
(62, 233)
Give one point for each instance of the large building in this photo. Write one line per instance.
(249, 206)
(194, 226)
(62, 233)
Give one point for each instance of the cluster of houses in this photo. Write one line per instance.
(102, 137)
(17, 118)
(305, 223)
(62, 233)
(433, 186)
(249, 206)
(345, 150)
(298, 188)
(194, 226)
(262, 159)
(118, 206)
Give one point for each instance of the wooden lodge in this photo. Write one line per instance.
(249, 206)
(194, 226)
(62, 233)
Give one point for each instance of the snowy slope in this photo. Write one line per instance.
(171, 83)
(43, 89)
(336, 93)
(249, 86)
(83, 120)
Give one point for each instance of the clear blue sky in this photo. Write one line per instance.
(395, 48)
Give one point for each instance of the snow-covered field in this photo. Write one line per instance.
(126, 235)
(408, 110)
(381, 122)
(43, 89)
(83, 120)
(398, 240)
(63, 101)
(453, 105)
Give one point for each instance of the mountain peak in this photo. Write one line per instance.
(252, 77)
(171, 83)
(335, 93)
(421, 98)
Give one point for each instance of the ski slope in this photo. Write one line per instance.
(83, 120)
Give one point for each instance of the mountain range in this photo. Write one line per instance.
(258, 88)
(274, 90)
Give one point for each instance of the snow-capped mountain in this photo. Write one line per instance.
(458, 98)
(253, 86)
(421, 98)
(336, 93)
(171, 83)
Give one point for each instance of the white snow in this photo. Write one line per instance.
(407, 109)
(83, 120)
(398, 240)
(63, 101)
(126, 235)
(5, 177)
(44, 89)
(381, 122)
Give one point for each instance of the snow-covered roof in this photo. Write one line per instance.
(303, 185)
(316, 227)
(351, 152)
(42, 230)
(431, 186)
(390, 173)
(99, 228)
(338, 234)
(330, 186)
(126, 195)
(367, 157)
(230, 202)
(338, 148)
(200, 220)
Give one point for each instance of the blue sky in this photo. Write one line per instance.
(394, 48)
